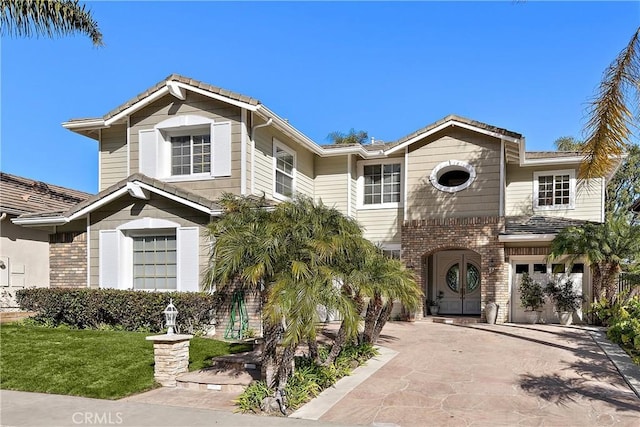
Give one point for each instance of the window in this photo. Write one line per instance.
(391, 253)
(154, 262)
(554, 190)
(452, 176)
(540, 268)
(190, 154)
(557, 268)
(522, 268)
(184, 148)
(577, 268)
(149, 254)
(284, 171)
(381, 184)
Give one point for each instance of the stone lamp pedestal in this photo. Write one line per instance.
(171, 356)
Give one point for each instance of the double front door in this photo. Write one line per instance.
(458, 278)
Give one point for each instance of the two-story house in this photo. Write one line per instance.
(461, 202)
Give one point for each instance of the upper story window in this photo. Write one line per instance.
(381, 183)
(554, 190)
(186, 147)
(190, 154)
(452, 176)
(284, 170)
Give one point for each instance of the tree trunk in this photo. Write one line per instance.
(286, 366)
(313, 350)
(382, 320)
(270, 360)
(338, 343)
(371, 318)
(609, 281)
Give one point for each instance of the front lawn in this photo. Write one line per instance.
(90, 363)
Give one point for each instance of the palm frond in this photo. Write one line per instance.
(611, 113)
(25, 18)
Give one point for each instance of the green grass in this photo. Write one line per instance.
(99, 364)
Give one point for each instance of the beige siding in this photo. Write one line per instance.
(519, 195)
(381, 225)
(482, 198)
(332, 181)
(264, 163)
(113, 155)
(168, 106)
(127, 209)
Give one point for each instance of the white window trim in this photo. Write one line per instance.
(360, 183)
(451, 165)
(181, 126)
(141, 227)
(572, 190)
(279, 145)
(188, 131)
(392, 247)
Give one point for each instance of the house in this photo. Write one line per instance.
(32, 256)
(461, 202)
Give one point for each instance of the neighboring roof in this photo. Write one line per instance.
(539, 224)
(19, 195)
(117, 190)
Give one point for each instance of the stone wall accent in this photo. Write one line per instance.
(171, 357)
(421, 238)
(68, 260)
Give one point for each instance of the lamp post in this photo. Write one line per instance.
(170, 315)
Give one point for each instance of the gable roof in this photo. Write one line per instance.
(138, 185)
(176, 85)
(19, 195)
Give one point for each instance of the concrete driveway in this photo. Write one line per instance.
(493, 375)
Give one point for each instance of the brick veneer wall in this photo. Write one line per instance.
(421, 238)
(68, 260)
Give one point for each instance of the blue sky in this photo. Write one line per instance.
(387, 68)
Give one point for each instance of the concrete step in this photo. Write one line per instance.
(218, 379)
(455, 320)
(238, 361)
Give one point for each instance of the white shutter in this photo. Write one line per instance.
(148, 151)
(221, 156)
(188, 254)
(109, 267)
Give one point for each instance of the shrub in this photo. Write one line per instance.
(118, 309)
(531, 293)
(309, 379)
(623, 320)
(564, 297)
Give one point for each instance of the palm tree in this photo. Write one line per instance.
(613, 112)
(291, 253)
(24, 18)
(607, 247)
(389, 281)
(352, 137)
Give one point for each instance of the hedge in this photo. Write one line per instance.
(121, 309)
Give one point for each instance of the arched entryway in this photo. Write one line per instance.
(455, 275)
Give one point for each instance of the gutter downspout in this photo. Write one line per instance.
(253, 151)
(3, 216)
